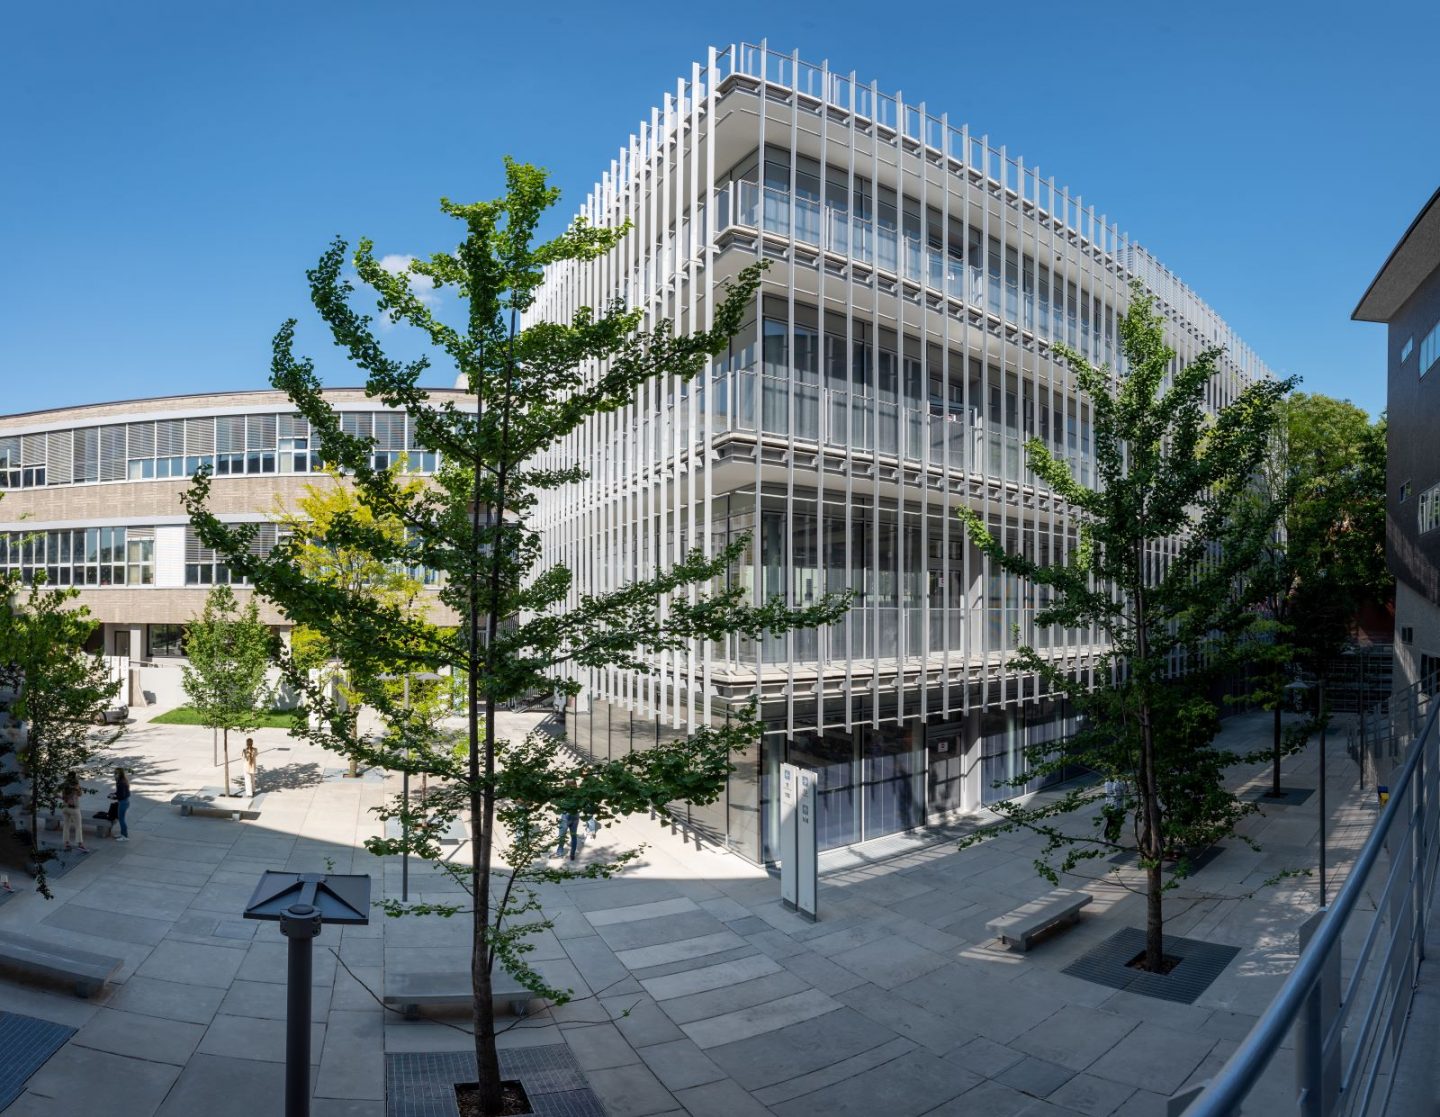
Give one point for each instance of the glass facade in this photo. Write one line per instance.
(231, 445)
(97, 556)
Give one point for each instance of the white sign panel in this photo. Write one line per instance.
(798, 851)
(807, 859)
(789, 783)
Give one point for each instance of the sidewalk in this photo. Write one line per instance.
(695, 991)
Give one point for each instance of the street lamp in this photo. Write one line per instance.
(1300, 689)
(423, 676)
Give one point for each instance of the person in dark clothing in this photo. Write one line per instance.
(121, 795)
(569, 820)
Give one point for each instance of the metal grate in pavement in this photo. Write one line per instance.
(1288, 797)
(422, 1084)
(1200, 964)
(25, 1044)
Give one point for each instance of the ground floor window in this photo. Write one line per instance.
(164, 641)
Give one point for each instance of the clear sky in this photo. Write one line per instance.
(170, 170)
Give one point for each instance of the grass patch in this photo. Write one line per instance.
(187, 715)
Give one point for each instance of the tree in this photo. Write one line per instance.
(229, 652)
(63, 691)
(518, 625)
(1171, 478)
(1326, 468)
(317, 527)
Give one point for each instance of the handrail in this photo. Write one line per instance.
(1222, 1097)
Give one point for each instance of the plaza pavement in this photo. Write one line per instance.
(695, 991)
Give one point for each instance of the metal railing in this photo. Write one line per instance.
(1348, 1013)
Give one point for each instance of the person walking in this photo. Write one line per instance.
(121, 795)
(70, 813)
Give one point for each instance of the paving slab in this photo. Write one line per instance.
(1074, 1036)
(912, 1084)
(770, 1016)
(140, 1036)
(757, 1061)
(74, 1078)
(191, 964)
(680, 1064)
(1098, 1097)
(1154, 1057)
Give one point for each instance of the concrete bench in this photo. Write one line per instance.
(214, 801)
(408, 991)
(1016, 928)
(88, 973)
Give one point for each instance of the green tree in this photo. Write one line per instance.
(1326, 468)
(1168, 539)
(230, 652)
(517, 623)
(63, 691)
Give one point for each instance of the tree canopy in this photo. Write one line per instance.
(1168, 541)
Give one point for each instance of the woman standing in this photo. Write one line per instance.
(121, 795)
(70, 813)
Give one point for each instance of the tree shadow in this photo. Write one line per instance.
(289, 777)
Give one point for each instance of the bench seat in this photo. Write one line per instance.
(1016, 928)
(408, 991)
(214, 801)
(86, 972)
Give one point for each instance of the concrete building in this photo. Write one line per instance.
(91, 496)
(1405, 295)
(897, 358)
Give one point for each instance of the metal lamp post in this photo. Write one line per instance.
(302, 903)
(1300, 689)
(428, 676)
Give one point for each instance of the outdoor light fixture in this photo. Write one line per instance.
(302, 903)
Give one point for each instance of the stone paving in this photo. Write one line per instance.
(696, 992)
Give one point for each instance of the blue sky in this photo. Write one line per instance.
(171, 169)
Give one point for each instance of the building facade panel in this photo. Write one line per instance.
(901, 351)
(91, 495)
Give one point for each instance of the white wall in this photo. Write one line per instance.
(170, 556)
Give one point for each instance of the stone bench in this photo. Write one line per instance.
(1016, 928)
(88, 973)
(214, 801)
(408, 991)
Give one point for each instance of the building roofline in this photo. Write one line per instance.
(198, 396)
(1395, 281)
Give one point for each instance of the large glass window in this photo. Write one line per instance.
(83, 557)
(164, 641)
(1430, 349)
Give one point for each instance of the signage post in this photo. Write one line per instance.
(799, 862)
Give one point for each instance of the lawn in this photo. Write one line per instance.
(186, 715)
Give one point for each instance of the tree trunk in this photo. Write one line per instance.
(1275, 772)
(225, 739)
(1155, 917)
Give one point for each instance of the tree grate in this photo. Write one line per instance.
(1200, 964)
(423, 1084)
(25, 1045)
(1288, 797)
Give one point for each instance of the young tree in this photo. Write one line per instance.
(1167, 470)
(63, 690)
(518, 622)
(317, 527)
(229, 652)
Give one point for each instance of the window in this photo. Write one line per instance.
(140, 557)
(1430, 349)
(163, 641)
(1430, 674)
(1407, 634)
(1404, 491)
(204, 568)
(1407, 349)
(84, 557)
(1429, 513)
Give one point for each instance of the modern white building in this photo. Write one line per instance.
(898, 356)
